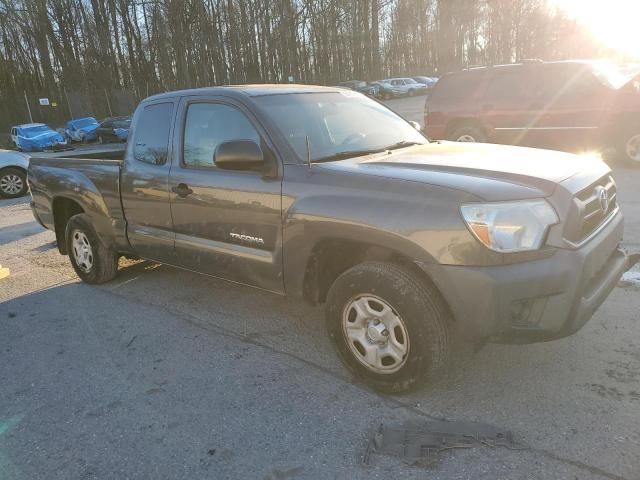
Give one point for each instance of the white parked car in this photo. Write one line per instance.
(13, 173)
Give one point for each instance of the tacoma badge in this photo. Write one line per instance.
(247, 238)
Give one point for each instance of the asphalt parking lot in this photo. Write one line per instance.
(167, 374)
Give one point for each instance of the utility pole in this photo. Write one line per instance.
(108, 102)
(26, 100)
(68, 103)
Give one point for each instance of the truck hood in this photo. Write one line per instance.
(489, 172)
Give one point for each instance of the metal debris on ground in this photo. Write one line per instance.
(424, 442)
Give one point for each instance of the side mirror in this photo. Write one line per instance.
(415, 125)
(238, 155)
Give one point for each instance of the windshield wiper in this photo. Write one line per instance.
(359, 153)
(402, 144)
(347, 154)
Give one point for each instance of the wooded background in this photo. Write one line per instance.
(102, 56)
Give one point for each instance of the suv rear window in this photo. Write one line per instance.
(458, 87)
(508, 84)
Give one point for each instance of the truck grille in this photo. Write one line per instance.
(591, 207)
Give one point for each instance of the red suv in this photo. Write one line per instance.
(569, 105)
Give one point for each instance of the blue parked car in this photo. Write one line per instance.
(82, 129)
(113, 129)
(121, 133)
(36, 137)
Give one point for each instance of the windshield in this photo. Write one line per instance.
(31, 132)
(85, 122)
(336, 123)
(610, 75)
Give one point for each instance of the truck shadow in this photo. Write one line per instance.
(294, 328)
(502, 375)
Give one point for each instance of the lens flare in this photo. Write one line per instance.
(614, 23)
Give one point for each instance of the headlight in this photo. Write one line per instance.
(510, 226)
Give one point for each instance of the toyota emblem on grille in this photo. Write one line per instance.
(603, 198)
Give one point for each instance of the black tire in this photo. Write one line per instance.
(628, 141)
(104, 261)
(472, 133)
(414, 300)
(10, 179)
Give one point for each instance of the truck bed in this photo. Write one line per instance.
(108, 152)
(79, 185)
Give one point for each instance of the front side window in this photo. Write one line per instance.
(151, 143)
(207, 126)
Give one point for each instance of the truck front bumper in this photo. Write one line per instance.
(535, 301)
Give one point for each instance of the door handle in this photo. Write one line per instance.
(182, 189)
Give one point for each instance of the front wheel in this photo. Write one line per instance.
(13, 183)
(629, 147)
(469, 134)
(93, 261)
(390, 327)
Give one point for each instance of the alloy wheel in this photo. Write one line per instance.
(11, 184)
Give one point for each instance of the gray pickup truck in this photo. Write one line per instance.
(325, 194)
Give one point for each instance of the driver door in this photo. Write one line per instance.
(227, 223)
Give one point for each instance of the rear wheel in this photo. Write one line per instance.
(93, 261)
(628, 146)
(13, 183)
(468, 133)
(389, 326)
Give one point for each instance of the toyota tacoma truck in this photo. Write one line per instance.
(325, 194)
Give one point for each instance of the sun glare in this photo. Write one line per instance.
(614, 22)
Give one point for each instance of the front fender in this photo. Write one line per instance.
(9, 158)
(420, 222)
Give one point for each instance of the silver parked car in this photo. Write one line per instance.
(408, 86)
(13, 173)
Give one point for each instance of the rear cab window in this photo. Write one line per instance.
(151, 136)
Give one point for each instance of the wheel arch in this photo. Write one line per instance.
(63, 208)
(457, 123)
(14, 167)
(331, 257)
